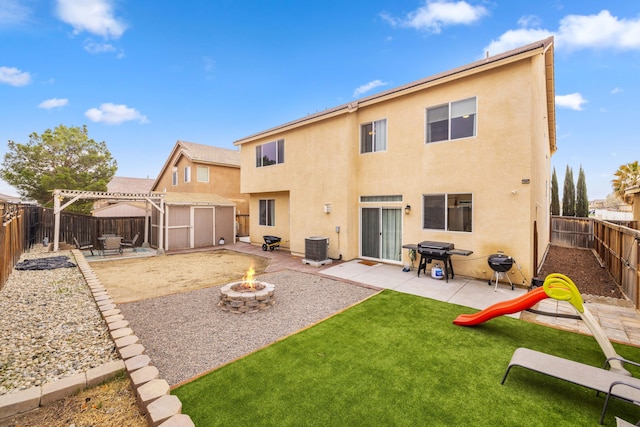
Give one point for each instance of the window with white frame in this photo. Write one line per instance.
(270, 153)
(454, 120)
(373, 136)
(267, 209)
(187, 174)
(174, 176)
(202, 174)
(450, 212)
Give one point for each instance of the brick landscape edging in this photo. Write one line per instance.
(152, 393)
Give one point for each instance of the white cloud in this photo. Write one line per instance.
(368, 87)
(598, 31)
(53, 103)
(13, 13)
(617, 90)
(14, 77)
(93, 16)
(113, 114)
(437, 14)
(572, 101)
(601, 31)
(95, 48)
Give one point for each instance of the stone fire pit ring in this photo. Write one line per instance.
(235, 297)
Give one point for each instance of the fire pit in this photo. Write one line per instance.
(247, 295)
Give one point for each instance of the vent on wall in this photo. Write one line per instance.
(315, 248)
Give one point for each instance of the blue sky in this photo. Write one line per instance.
(143, 74)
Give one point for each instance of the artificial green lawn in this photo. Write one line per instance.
(398, 360)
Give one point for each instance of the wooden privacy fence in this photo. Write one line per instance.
(11, 238)
(616, 243)
(28, 225)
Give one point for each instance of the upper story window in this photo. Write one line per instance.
(174, 176)
(270, 153)
(202, 174)
(187, 174)
(373, 136)
(451, 212)
(452, 121)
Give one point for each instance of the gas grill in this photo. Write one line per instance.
(440, 251)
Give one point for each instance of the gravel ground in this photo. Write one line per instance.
(50, 326)
(187, 334)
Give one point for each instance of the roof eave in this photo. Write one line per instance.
(466, 70)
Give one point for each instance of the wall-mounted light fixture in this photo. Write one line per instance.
(327, 208)
(407, 209)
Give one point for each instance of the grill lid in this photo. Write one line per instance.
(500, 262)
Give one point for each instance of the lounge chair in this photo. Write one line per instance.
(83, 245)
(111, 244)
(612, 383)
(130, 243)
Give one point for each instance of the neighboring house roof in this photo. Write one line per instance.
(7, 198)
(202, 154)
(633, 190)
(121, 184)
(191, 199)
(529, 50)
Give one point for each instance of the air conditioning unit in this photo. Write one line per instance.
(315, 248)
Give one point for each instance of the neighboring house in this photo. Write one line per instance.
(9, 199)
(462, 157)
(198, 168)
(203, 199)
(634, 192)
(115, 208)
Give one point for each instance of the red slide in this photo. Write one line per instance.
(505, 307)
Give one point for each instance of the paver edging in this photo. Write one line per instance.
(152, 393)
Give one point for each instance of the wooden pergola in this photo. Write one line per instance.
(154, 199)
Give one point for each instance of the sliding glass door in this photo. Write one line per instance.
(381, 233)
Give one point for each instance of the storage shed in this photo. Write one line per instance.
(194, 220)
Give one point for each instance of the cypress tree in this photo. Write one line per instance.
(582, 202)
(569, 194)
(555, 200)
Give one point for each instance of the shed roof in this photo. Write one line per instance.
(544, 47)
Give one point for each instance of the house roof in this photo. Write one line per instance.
(544, 47)
(121, 184)
(199, 153)
(191, 199)
(7, 198)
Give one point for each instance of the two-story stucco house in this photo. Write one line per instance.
(461, 157)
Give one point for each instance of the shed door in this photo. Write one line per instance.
(203, 232)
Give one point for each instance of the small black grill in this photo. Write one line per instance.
(500, 264)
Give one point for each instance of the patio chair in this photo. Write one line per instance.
(111, 245)
(130, 243)
(612, 383)
(83, 245)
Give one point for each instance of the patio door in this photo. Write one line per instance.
(381, 233)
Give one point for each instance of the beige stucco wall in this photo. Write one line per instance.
(323, 165)
(223, 181)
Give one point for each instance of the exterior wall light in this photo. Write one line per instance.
(407, 209)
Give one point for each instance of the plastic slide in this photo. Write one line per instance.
(523, 302)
